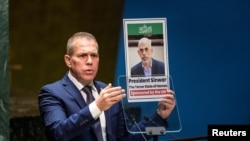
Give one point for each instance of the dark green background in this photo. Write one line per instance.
(33, 42)
(39, 30)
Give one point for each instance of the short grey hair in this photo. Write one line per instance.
(78, 35)
(144, 40)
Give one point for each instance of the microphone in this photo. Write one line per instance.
(150, 120)
(137, 126)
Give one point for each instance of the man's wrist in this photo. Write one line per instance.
(94, 110)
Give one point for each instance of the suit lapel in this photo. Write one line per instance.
(73, 91)
(141, 70)
(153, 67)
(108, 124)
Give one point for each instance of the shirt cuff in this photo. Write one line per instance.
(94, 110)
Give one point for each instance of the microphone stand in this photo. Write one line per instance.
(155, 137)
(154, 131)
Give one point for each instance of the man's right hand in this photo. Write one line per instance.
(109, 96)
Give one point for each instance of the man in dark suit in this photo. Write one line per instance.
(67, 113)
(148, 66)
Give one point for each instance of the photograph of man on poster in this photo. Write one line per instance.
(148, 65)
(145, 43)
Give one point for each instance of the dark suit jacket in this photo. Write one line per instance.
(66, 116)
(158, 68)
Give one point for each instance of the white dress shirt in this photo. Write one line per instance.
(95, 111)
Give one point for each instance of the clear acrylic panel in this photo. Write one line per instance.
(137, 110)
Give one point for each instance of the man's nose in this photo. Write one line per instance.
(89, 59)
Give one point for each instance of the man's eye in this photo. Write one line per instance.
(83, 55)
(141, 49)
(88, 55)
(94, 55)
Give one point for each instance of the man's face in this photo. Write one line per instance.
(84, 61)
(145, 51)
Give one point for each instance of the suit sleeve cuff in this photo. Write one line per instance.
(94, 110)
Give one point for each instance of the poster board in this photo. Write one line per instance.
(146, 56)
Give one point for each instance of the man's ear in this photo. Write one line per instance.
(67, 60)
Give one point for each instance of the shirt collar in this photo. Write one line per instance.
(77, 83)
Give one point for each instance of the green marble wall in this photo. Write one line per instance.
(4, 77)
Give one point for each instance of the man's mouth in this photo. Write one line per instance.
(89, 70)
